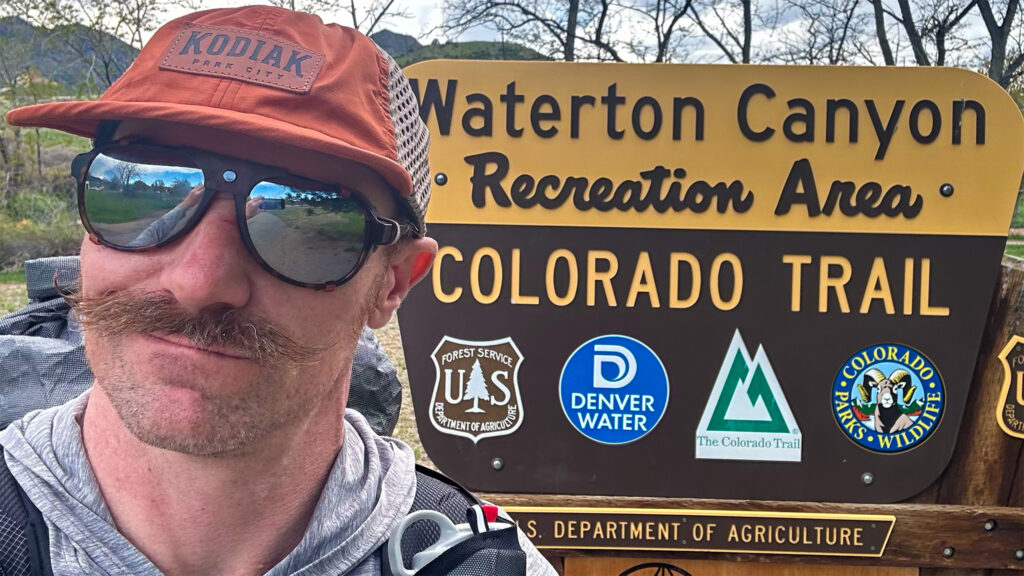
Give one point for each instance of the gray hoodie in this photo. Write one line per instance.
(369, 490)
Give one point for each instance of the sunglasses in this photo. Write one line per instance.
(135, 197)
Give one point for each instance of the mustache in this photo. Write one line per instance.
(118, 313)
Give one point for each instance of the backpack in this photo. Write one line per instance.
(42, 364)
(25, 548)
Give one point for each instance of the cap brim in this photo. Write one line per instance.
(83, 118)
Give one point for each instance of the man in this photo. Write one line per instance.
(255, 197)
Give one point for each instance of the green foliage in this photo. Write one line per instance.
(12, 277)
(1016, 250)
(341, 229)
(36, 226)
(113, 207)
(50, 138)
(1018, 213)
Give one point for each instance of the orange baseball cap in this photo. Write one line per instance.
(274, 74)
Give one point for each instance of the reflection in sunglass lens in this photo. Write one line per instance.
(313, 236)
(140, 196)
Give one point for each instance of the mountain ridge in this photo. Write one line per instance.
(49, 51)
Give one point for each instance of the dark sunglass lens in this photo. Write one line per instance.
(138, 196)
(309, 235)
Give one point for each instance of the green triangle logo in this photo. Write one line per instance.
(757, 398)
(747, 416)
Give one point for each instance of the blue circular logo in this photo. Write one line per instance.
(888, 398)
(614, 389)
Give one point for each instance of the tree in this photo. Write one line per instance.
(476, 388)
(548, 26)
(94, 30)
(666, 19)
(1004, 41)
(365, 16)
(932, 28)
(822, 32)
(729, 25)
(604, 30)
(14, 60)
(124, 173)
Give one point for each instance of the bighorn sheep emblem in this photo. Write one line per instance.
(889, 417)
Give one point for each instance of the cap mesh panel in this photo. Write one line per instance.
(411, 139)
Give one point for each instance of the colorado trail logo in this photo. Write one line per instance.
(476, 389)
(888, 397)
(747, 416)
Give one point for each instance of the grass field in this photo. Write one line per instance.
(1015, 250)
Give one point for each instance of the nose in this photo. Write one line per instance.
(210, 268)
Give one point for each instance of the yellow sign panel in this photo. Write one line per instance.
(863, 150)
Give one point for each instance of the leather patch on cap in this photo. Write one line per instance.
(243, 55)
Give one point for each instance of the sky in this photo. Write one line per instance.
(424, 18)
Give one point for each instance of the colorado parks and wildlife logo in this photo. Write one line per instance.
(888, 397)
(476, 389)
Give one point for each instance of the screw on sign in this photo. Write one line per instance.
(655, 569)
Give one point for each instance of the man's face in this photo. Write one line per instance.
(219, 399)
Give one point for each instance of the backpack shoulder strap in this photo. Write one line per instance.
(434, 491)
(24, 538)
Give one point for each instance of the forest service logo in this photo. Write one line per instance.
(1010, 408)
(476, 389)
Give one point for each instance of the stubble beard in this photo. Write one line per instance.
(285, 392)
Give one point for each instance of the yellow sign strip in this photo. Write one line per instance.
(755, 532)
(816, 149)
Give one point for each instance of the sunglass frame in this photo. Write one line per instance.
(378, 231)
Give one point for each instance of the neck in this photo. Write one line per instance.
(213, 515)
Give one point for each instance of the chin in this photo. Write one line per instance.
(201, 404)
(199, 411)
(187, 421)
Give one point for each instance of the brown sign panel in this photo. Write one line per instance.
(583, 566)
(719, 281)
(705, 531)
(1010, 408)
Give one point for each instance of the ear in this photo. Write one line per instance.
(409, 264)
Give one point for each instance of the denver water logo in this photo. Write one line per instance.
(614, 389)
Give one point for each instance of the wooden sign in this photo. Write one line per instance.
(706, 281)
(705, 531)
(577, 566)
